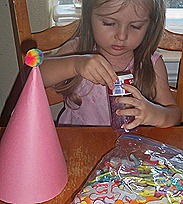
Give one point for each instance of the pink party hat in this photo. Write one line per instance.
(32, 165)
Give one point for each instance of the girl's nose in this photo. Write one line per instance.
(122, 34)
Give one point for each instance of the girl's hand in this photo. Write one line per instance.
(142, 109)
(96, 69)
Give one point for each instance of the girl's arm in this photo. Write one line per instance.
(93, 67)
(164, 112)
(50, 68)
(169, 114)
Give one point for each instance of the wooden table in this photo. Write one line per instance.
(84, 147)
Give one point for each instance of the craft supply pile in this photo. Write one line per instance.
(138, 170)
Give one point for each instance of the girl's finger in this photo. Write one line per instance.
(133, 90)
(110, 70)
(135, 123)
(107, 76)
(128, 112)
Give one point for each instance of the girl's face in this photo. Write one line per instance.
(119, 29)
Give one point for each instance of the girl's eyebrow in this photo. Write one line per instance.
(135, 21)
(140, 21)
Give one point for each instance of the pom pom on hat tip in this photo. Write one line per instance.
(34, 57)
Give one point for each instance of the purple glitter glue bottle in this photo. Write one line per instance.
(116, 120)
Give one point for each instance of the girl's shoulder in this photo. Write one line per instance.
(155, 56)
(69, 47)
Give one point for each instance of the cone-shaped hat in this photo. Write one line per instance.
(32, 165)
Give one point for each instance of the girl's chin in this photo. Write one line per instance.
(115, 54)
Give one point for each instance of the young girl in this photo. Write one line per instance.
(114, 35)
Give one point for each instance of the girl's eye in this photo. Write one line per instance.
(108, 24)
(136, 27)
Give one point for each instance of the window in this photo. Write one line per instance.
(174, 22)
(174, 16)
(76, 2)
(65, 2)
(66, 11)
(174, 4)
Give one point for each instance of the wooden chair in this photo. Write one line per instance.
(174, 42)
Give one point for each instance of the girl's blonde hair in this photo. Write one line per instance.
(143, 70)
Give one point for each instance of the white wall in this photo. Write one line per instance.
(39, 14)
(8, 59)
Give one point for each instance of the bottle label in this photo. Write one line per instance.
(118, 90)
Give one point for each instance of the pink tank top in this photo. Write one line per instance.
(95, 107)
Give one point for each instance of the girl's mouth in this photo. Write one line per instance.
(117, 47)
